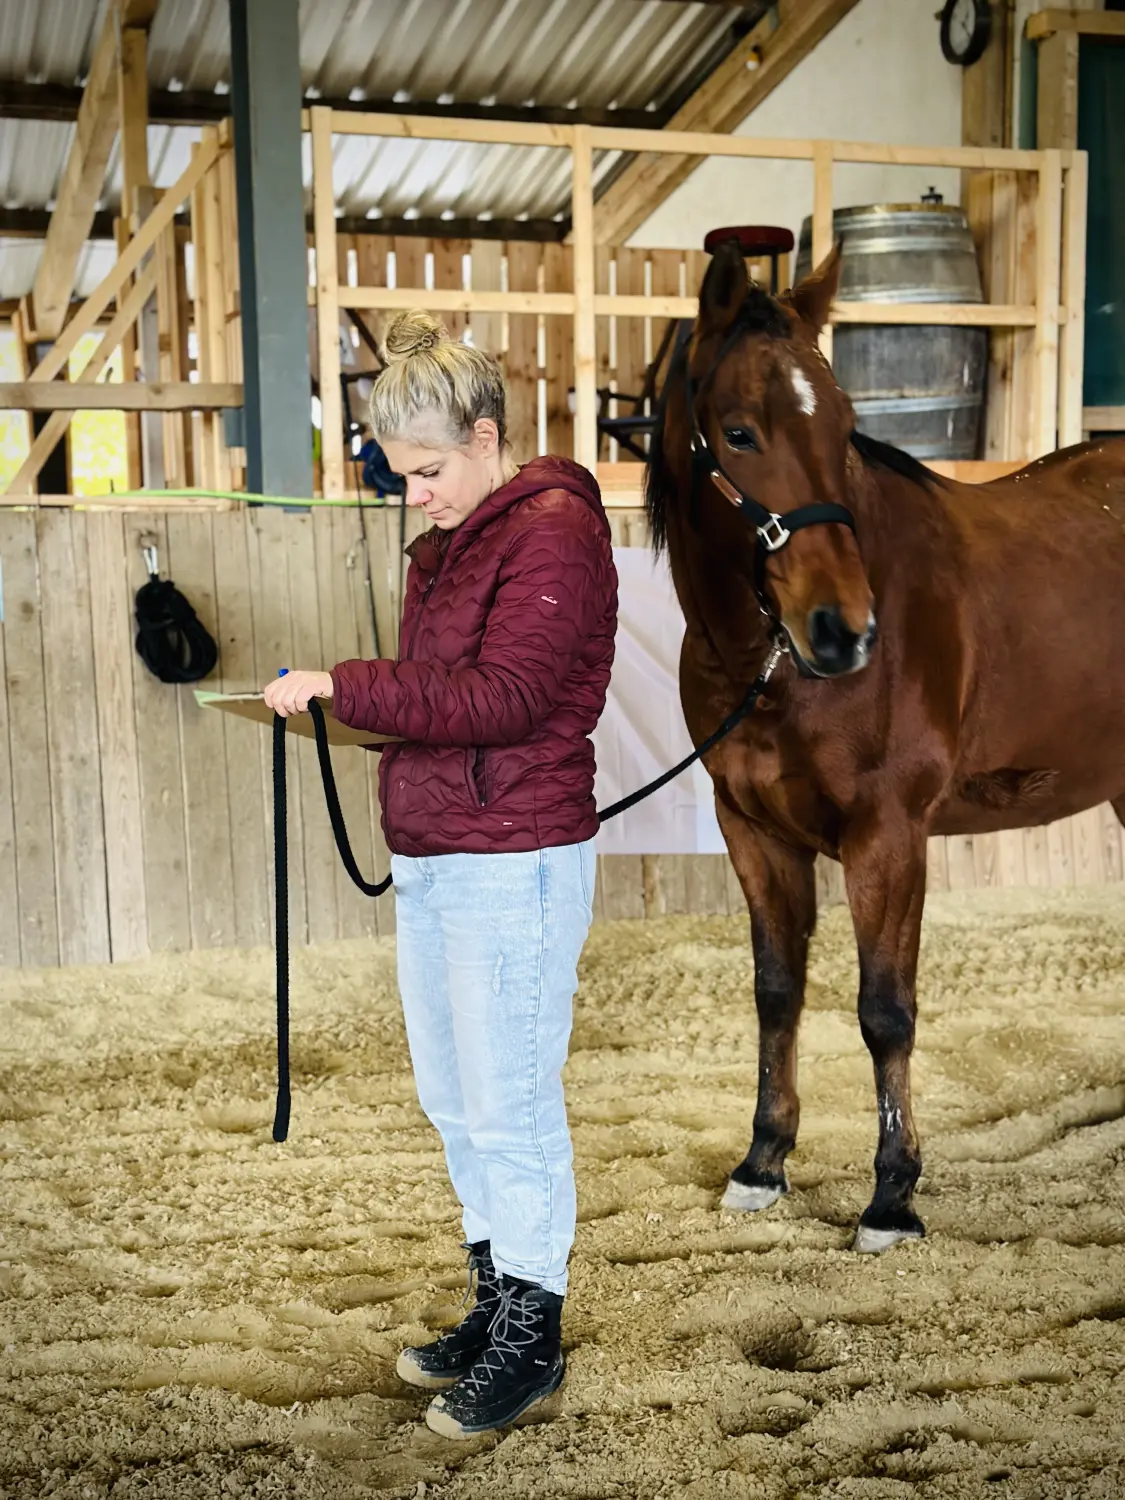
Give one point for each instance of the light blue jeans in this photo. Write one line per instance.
(488, 948)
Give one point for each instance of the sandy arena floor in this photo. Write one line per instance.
(188, 1310)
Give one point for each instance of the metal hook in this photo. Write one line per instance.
(150, 554)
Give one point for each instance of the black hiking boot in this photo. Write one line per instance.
(442, 1363)
(522, 1365)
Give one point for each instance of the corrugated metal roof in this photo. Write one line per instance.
(562, 53)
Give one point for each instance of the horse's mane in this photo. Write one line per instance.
(887, 456)
(759, 313)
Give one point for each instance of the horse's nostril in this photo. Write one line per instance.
(831, 640)
(834, 646)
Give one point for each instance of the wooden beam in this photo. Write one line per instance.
(210, 328)
(766, 56)
(1103, 419)
(1057, 92)
(450, 299)
(585, 338)
(328, 306)
(57, 424)
(32, 223)
(986, 102)
(777, 148)
(422, 128)
(823, 224)
(132, 112)
(133, 470)
(1072, 334)
(23, 365)
(138, 247)
(188, 107)
(945, 314)
(79, 187)
(84, 395)
(1048, 254)
(1102, 23)
(987, 197)
(148, 501)
(562, 304)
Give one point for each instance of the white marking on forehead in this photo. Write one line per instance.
(806, 396)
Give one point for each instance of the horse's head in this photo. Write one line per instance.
(778, 430)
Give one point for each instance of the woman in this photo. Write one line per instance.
(488, 809)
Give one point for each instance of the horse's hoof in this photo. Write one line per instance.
(745, 1198)
(870, 1241)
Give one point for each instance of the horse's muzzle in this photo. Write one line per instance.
(835, 648)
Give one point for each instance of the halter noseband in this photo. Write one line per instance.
(772, 531)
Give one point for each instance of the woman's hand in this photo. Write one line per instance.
(290, 694)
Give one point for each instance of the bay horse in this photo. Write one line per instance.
(950, 659)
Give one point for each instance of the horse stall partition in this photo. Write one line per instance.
(1036, 364)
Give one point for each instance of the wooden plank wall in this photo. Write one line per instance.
(132, 821)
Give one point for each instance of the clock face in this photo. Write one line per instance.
(962, 25)
(965, 27)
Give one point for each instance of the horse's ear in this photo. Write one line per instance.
(724, 288)
(813, 297)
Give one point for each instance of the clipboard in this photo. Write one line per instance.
(253, 706)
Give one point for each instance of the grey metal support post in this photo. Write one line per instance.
(273, 261)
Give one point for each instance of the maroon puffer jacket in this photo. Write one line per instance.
(507, 642)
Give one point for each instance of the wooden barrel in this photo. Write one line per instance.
(920, 388)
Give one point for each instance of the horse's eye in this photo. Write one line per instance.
(741, 439)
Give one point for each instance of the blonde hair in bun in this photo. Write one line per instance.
(434, 388)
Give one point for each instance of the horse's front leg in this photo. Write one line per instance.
(780, 890)
(885, 870)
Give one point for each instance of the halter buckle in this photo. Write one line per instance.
(773, 533)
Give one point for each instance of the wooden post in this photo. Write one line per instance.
(1048, 233)
(132, 106)
(148, 341)
(209, 328)
(231, 306)
(184, 318)
(1073, 333)
(1057, 92)
(822, 225)
(205, 451)
(327, 304)
(23, 366)
(129, 371)
(168, 322)
(585, 333)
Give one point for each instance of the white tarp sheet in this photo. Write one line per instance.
(642, 732)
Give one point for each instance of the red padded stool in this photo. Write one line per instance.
(756, 241)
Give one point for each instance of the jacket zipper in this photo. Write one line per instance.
(407, 644)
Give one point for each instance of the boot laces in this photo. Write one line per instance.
(485, 1284)
(514, 1328)
(470, 1267)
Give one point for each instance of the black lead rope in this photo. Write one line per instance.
(340, 833)
(281, 887)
